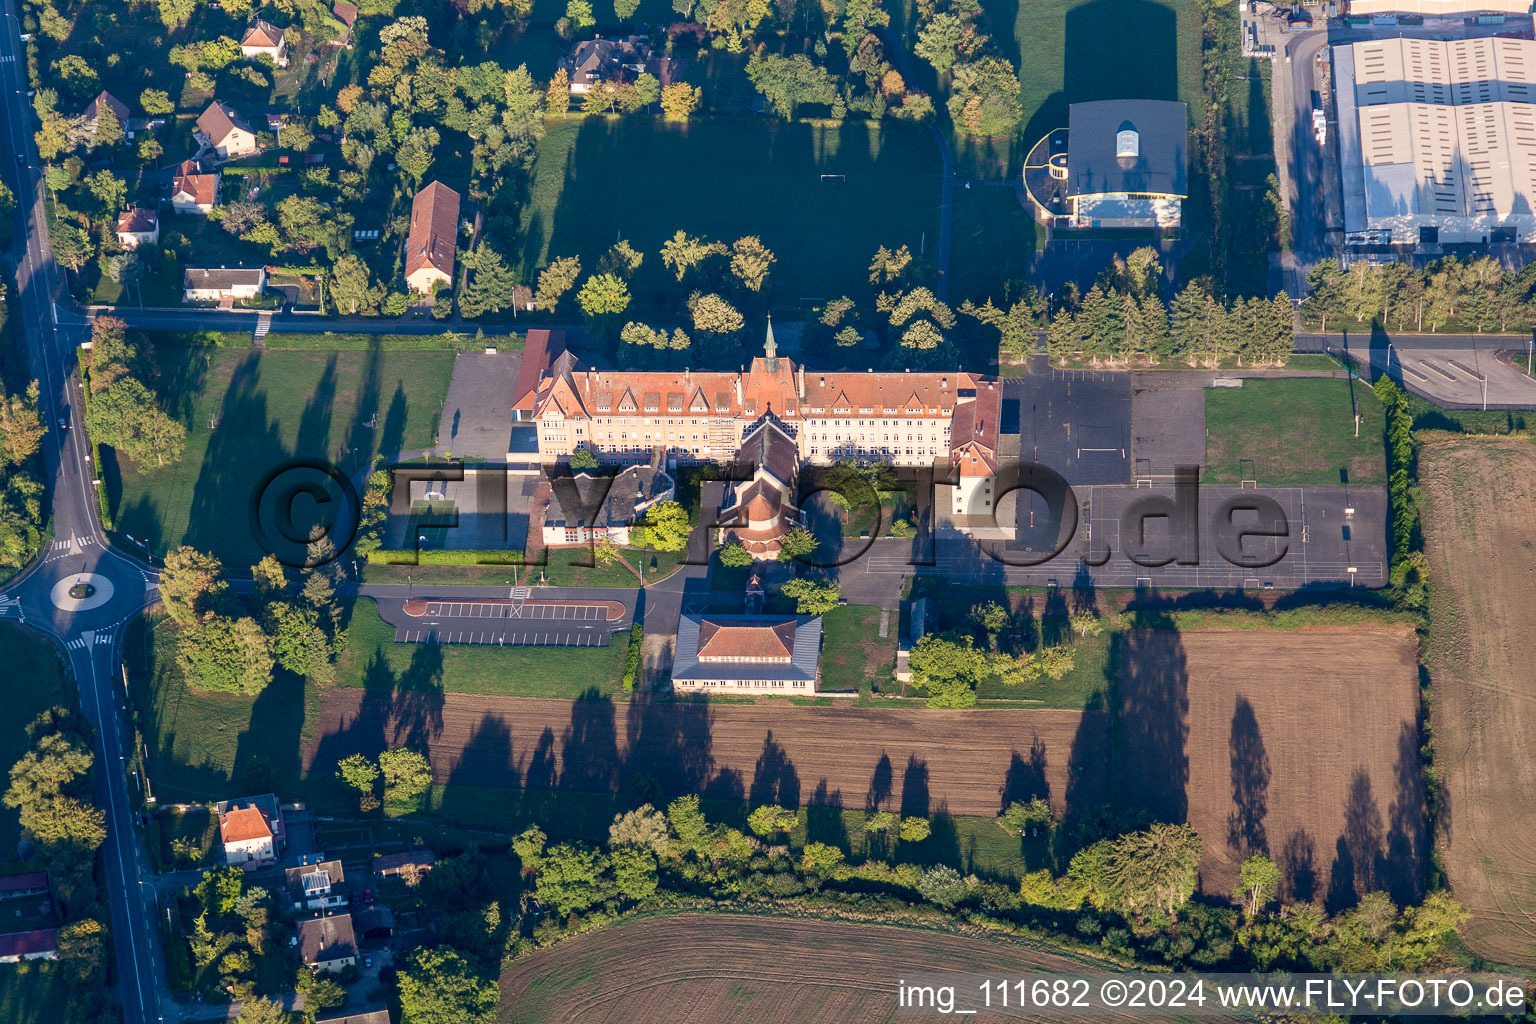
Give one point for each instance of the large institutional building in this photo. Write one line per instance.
(1118, 164)
(906, 418)
(1437, 140)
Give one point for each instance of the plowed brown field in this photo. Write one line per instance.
(715, 969)
(1300, 743)
(1479, 535)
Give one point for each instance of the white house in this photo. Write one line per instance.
(226, 132)
(319, 885)
(327, 944)
(248, 836)
(136, 227)
(223, 284)
(193, 191)
(263, 39)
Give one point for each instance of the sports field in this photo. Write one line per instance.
(1481, 502)
(752, 969)
(600, 178)
(1294, 432)
(248, 413)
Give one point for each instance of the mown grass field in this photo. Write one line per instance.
(1286, 433)
(249, 412)
(601, 178)
(35, 993)
(854, 656)
(36, 680)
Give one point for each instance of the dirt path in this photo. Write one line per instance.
(1479, 536)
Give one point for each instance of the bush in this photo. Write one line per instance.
(405, 556)
(632, 656)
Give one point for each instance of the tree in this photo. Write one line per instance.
(415, 154)
(688, 822)
(83, 951)
(1158, 868)
(603, 295)
(125, 417)
(360, 774)
(812, 597)
(787, 82)
(297, 135)
(21, 426)
(949, 669)
(984, 98)
(439, 986)
(942, 885)
(225, 654)
(1086, 624)
(557, 98)
(888, 265)
(1258, 881)
(938, 41)
(1023, 819)
(407, 773)
(350, 286)
(915, 829)
(750, 260)
(797, 542)
(64, 825)
(109, 130)
(300, 644)
(682, 252)
(821, 858)
(189, 583)
(734, 556)
(666, 527)
(555, 280)
(571, 878)
(580, 13)
(922, 335)
(644, 826)
(770, 819)
(679, 100)
(583, 459)
(623, 10)
(255, 1010)
(72, 246)
(47, 770)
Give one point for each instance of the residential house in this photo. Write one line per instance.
(223, 130)
(773, 654)
(251, 830)
(393, 865)
(136, 227)
(317, 885)
(762, 508)
(263, 39)
(37, 944)
(380, 1016)
(429, 248)
(327, 944)
(592, 62)
(193, 191)
(106, 100)
(28, 883)
(585, 507)
(222, 284)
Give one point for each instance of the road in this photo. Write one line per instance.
(88, 631)
(1455, 371)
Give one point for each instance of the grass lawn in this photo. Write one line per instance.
(1074, 51)
(994, 239)
(599, 178)
(373, 659)
(266, 408)
(1286, 433)
(562, 569)
(39, 681)
(854, 656)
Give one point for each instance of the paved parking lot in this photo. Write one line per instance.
(477, 414)
(516, 620)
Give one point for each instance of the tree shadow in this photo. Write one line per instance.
(589, 750)
(1298, 867)
(824, 817)
(774, 780)
(879, 784)
(1152, 722)
(487, 758)
(1250, 783)
(915, 795)
(1025, 780)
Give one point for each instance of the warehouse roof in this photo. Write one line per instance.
(1127, 146)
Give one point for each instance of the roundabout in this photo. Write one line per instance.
(81, 591)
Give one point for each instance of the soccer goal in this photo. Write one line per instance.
(835, 179)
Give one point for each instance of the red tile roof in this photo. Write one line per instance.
(40, 940)
(345, 13)
(118, 107)
(29, 881)
(218, 121)
(242, 824)
(262, 33)
(137, 221)
(434, 229)
(203, 188)
(753, 640)
(543, 347)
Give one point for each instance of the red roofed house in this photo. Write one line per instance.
(263, 39)
(429, 248)
(226, 132)
(106, 99)
(251, 831)
(346, 14)
(28, 883)
(135, 227)
(543, 347)
(973, 451)
(38, 944)
(192, 191)
(747, 653)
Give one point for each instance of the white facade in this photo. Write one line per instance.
(256, 852)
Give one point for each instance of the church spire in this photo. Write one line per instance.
(771, 348)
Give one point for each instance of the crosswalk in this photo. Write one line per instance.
(74, 543)
(101, 638)
(263, 326)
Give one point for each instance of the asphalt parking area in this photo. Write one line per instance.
(1077, 422)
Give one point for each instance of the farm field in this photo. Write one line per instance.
(1321, 771)
(749, 969)
(744, 177)
(39, 680)
(1477, 534)
(266, 407)
(1316, 764)
(1286, 433)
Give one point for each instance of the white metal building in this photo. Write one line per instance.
(1437, 140)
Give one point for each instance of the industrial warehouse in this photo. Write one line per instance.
(1437, 140)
